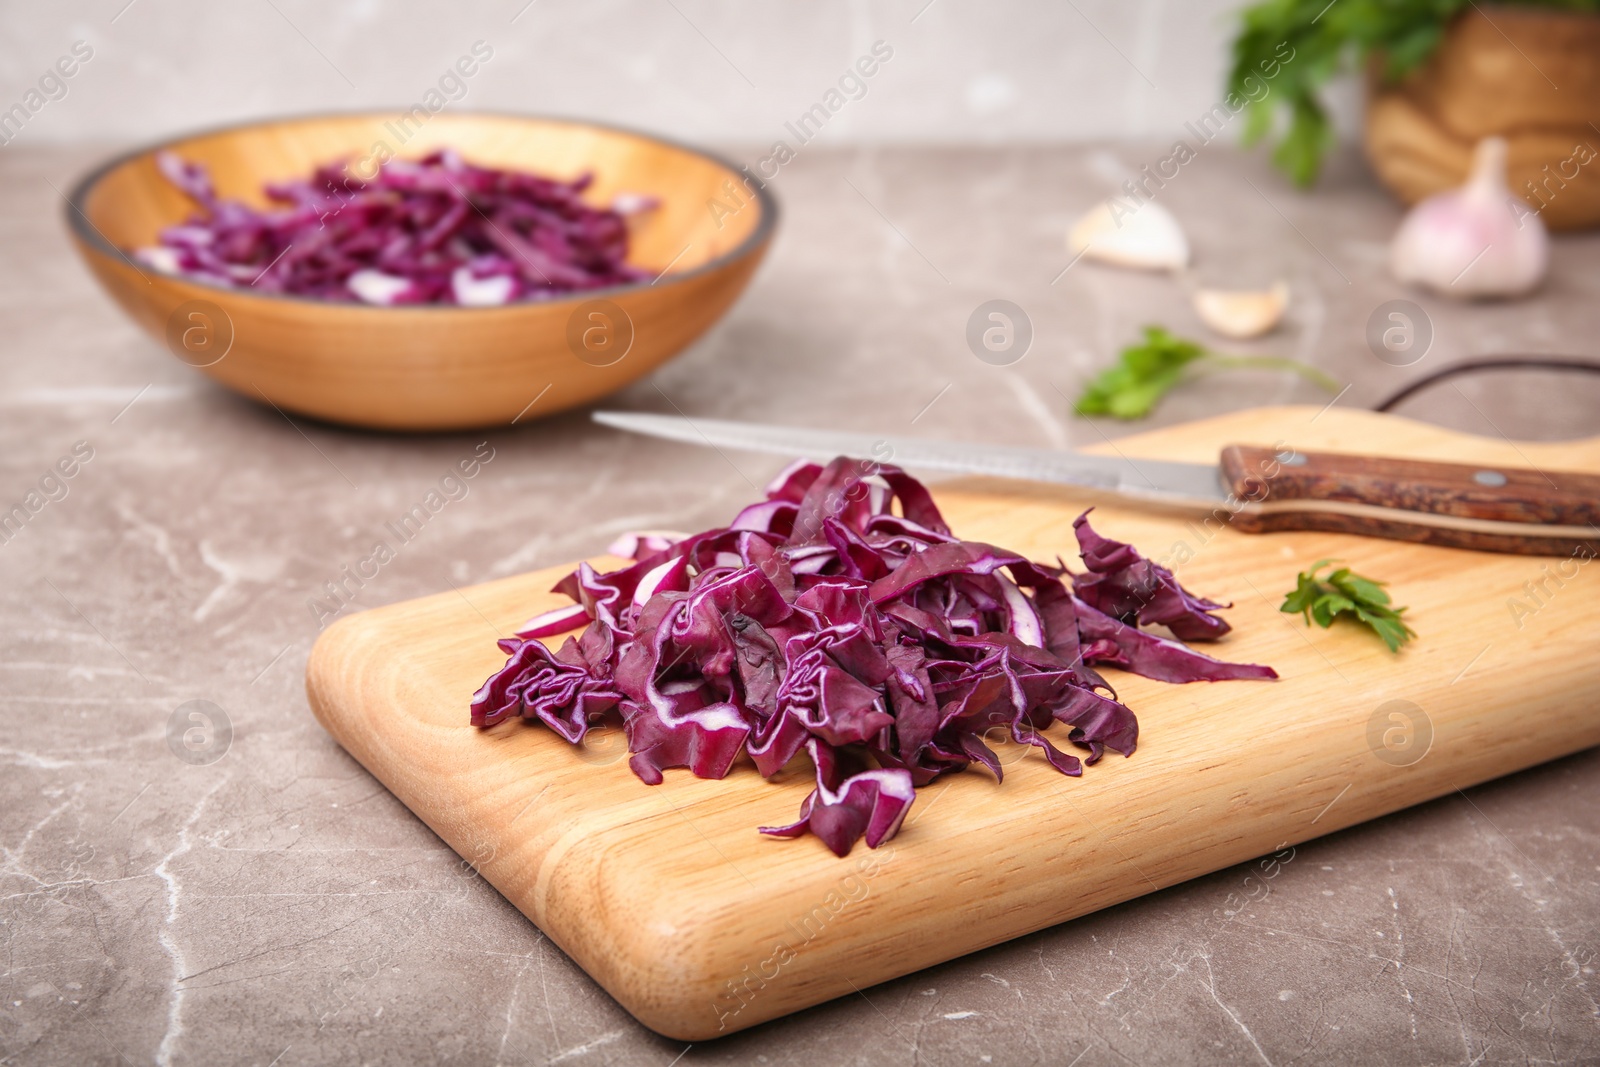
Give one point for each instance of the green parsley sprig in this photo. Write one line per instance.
(1146, 372)
(1342, 593)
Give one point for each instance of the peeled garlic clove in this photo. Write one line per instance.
(1142, 235)
(1242, 314)
(1478, 240)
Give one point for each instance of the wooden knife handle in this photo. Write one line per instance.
(1492, 509)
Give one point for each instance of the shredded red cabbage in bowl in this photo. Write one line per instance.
(821, 620)
(437, 230)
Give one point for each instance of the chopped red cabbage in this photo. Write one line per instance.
(436, 230)
(821, 620)
(1138, 591)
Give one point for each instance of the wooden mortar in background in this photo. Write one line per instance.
(1528, 74)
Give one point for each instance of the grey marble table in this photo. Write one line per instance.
(278, 906)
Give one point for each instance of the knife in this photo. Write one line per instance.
(1253, 489)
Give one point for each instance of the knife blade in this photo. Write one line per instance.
(1184, 485)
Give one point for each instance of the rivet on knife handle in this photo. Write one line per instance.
(1490, 508)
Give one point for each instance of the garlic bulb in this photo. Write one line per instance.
(1242, 315)
(1143, 235)
(1475, 241)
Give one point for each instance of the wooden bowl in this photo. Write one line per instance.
(1528, 74)
(433, 367)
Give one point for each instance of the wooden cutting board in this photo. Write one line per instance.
(699, 926)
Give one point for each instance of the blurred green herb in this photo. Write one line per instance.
(1147, 371)
(1342, 593)
(1287, 50)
